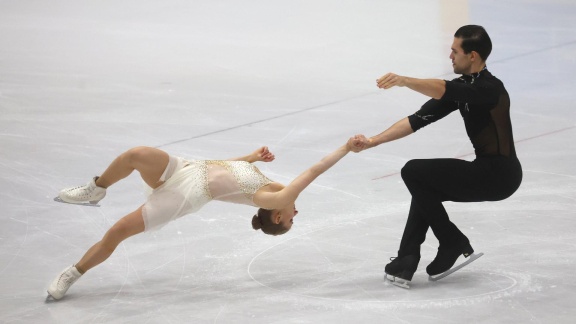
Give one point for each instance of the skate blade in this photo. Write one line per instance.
(398, 282)
(80, 203)
(52, 299)
(450, 271)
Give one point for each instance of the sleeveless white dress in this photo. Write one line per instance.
(196, 182)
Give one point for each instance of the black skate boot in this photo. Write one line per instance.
(401, 270)
(446, 257)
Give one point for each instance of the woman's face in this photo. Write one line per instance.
(286, 216)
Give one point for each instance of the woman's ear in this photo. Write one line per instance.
(276, 217)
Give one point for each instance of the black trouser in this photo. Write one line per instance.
(436, 180)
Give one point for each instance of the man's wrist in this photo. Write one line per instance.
(371, 142)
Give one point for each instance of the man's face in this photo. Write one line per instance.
(461, 62)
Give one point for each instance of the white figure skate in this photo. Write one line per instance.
(62, 283)
(88, 195)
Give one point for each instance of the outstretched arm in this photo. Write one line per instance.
(261, 154)
(288, 195)
(400, 129)
(434, 88)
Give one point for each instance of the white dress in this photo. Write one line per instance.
(194, 183)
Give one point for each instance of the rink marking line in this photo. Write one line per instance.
(355, 97)
(515, 142)
(494, 294)
(552, 173)
(14, 256)
(538, 51)
(269, 118)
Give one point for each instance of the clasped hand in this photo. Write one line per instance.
(358, 143)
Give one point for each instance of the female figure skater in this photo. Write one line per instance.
(182, 187)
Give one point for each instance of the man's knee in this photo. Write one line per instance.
(411, 170)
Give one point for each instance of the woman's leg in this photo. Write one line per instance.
(127, 226)
(150, 162)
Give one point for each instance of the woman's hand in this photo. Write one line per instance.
(263, 154)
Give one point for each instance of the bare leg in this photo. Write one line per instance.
(150, 162)
(127, 226)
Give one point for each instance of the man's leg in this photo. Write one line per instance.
(414, 231)
(422, 205)
(433, 181)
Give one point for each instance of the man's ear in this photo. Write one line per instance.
(474, 56)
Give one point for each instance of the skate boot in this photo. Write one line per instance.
(446, 258)
(401, 270)
(60, 284)
(88, 193)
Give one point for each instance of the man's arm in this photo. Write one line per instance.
(483, 92)
(434, 88)
(400, 129)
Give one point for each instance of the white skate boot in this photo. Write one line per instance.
(89, 193)
(60, 284)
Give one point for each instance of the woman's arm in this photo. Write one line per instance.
(288, 195)
(261, 154)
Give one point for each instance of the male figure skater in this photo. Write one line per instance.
(494, 175)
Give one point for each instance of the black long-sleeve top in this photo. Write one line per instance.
(485, 107)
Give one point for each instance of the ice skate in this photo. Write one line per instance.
(400, 271)
(471, 258)
(88, 195)
(442, 265)
(62, 283)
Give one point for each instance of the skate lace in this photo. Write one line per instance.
(66, 279)
(82, 191)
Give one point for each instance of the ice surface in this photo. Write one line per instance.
(80, 82)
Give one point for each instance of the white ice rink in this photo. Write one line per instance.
(83, 81)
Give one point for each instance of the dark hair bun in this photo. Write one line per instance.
(256, 223)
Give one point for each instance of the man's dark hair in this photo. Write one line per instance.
(475, 38)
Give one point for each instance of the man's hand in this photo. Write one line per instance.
(433, 88)
(358, 143)
(390, 80)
